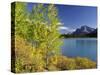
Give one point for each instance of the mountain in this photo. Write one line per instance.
(83, 30)
(93, 33)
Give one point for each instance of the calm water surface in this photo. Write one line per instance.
(83, 47)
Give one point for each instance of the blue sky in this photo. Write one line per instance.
(73, 17)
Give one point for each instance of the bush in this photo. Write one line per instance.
(30, 59)
(27, 58)
(64, 63)
(84, 63)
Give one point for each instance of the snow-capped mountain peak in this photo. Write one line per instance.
(84, 30)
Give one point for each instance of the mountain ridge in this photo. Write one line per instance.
(83, 31)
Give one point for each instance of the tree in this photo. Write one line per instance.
(44, 27)
(40, 28)
(21, 17)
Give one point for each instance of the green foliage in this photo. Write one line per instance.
(21, 17)
(37, 43)
(45, 28)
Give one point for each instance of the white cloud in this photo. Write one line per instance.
(66, 28)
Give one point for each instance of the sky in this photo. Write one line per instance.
(73, 17)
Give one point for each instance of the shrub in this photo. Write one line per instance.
(84, 63)
(65, 63)
(27, 57)
(62, 62)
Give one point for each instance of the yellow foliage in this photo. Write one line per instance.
(64, 63)
(30, 59)
(84, 63)
(27, 58)
(24, 50)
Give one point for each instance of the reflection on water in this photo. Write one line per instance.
(83, 47)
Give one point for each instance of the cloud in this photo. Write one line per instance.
(66, 28)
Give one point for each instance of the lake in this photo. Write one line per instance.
(82, 47)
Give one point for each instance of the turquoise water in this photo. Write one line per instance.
(83, 47)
